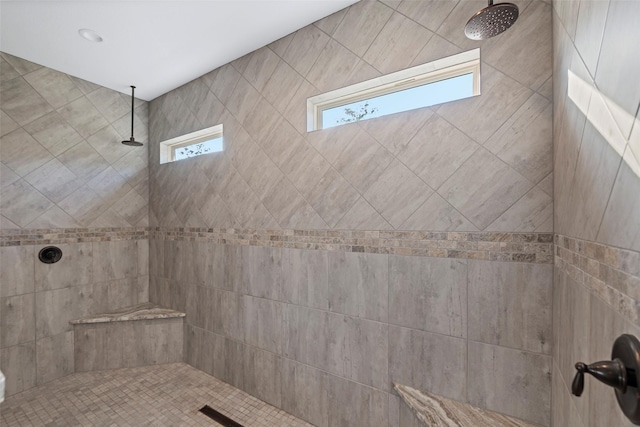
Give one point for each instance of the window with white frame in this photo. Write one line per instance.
(193, 144)
(444, 80)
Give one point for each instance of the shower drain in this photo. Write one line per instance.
(218, 417)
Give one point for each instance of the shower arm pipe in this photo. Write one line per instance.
(133, 88)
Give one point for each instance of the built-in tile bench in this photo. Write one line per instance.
(144, 334)
(437, 411)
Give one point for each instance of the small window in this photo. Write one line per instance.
(193, 144)
(448, 79)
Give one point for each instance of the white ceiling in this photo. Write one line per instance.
(154, 45)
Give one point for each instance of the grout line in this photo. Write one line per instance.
(466, 377)
(613, 186)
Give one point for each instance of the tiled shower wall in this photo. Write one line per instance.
(37, 301)
(323, 329)
(62, 164)
(597, 197)
(483, 163)
(65, 179)
(324, 334)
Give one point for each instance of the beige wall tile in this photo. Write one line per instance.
(18, 319)
(260, 67)
(22, 66)
(483, 198)
(332, 197)
(54, 217)
(53, 86)
(22, 153)
(21, 102)
(437, 215)
(55, 357)
(333, 67)
(397, 44)
(480, 116)
(430, 362)
(16, 270)
(395, 131)
(8, 72)
(109, 103)
(84, 205)
(523, 141)
(7, 124)
(503, 286)
(504, 391)
(243, 100)
(114, 260)
(54, 133)
(362, 216)
(21, 203)
(304, 48)
(596, 168)
(620, 222)
(83, 116)
(358, 285)
(19, 362)
(333, 141)
(54, 180)
(429, 13)
(361, 25)
(429, 294)
(590, 24)
(329, 23)
(106, 142)
(304, 392)
(436, 151)
(397, 193)
(351, 402)
(620, 29)
(531, 213)
(363, 161)
(7, 176)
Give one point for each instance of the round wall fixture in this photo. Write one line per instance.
(50, 254)
(90, 35)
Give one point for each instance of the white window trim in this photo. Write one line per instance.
(168, 147)
(441, 69)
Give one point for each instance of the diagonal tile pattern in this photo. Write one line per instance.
(424, 169)
(61, 153)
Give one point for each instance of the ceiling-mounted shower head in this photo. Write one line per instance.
(491, 21)
(132, 141)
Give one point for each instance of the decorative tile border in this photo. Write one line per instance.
(611, 273)
(517, 247)
(23, 237)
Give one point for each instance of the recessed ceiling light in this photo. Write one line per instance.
(90, 35)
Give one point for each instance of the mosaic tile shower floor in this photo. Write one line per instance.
(161, 395)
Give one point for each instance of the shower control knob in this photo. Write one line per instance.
(610, 372)
(620, 373)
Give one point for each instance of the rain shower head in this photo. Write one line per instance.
(132, 141)
(491, 21)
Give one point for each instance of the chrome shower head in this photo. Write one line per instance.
(491, 21)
